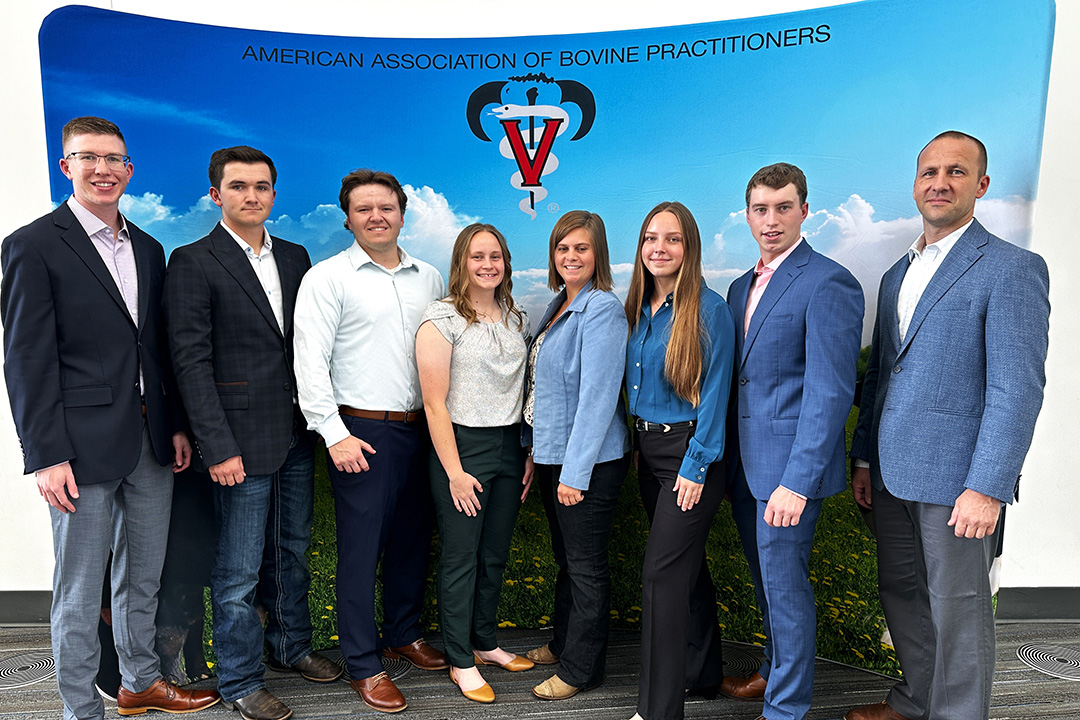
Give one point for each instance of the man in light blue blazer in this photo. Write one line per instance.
(801, 319)
(949, 403)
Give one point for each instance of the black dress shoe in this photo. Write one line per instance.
(260, 705)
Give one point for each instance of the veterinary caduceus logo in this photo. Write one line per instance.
(532, 111)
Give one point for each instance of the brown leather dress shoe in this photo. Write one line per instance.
(260, 705)
(380, 693)
(877, 711)
(743, 688)
(420, 654)
(314, 667)
(165, 697)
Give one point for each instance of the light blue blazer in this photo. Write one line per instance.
(795, 375)
(578, 417)
(954, 405)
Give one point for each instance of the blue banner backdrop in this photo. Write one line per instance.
(515, 131)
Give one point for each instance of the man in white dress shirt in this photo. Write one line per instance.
(356, 319)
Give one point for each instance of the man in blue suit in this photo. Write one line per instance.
(801, 316)
(948, 408)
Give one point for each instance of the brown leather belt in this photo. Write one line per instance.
(388, 415)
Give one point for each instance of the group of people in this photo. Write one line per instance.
(443, 404)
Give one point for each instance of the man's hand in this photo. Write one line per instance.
(55, 484)
(975, 515)
(860, 486)
(568, 495)
(228, 472)
(348, 455)
(463, 489)
(784, 508)
(689, 492)
(527, 479)
(181, 452)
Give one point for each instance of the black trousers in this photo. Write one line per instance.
(385, 512)
(580, 535)
(680, 638)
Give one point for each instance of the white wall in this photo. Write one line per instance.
(1043, 539)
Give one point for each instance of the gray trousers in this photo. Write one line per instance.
(935, 590)
(130, 517)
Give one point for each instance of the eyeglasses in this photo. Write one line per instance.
(90, 160)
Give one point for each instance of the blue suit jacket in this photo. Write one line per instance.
(72, 354)
(953, 406)
(795, 375)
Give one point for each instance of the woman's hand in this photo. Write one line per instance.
(568, 495)
(527, 479)
(463, 488)
(689, 492)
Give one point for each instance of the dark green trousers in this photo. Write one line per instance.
(474, 549)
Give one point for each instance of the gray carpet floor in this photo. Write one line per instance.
(1020, 692)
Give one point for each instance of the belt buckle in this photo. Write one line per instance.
(667, 428)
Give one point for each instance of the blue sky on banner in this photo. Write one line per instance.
(685, 113)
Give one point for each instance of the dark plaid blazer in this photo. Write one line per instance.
(233, 364)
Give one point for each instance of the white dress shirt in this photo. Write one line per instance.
(266, 269)
(355, 336)
(923, 261)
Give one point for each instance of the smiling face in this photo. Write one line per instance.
(948, 182)
(375, 218)
(246, 195)
(485, 267)
(662, 247)
(775, 218)
(575, 260)
(97, 188)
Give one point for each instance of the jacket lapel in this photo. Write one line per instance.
(290, 273)
(142, 272)
(890, 294)
(80, 242)
(965, 253)
(780, 281)
(738, 296)
(235, 262)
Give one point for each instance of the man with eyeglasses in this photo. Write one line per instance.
(96, 410)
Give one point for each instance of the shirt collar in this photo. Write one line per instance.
(775, 263)
(359, 257)
(944, 245)
(92, 224)
(268, 244)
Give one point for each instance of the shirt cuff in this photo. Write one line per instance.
(693, 470)
(860, 463)
(333, 430)
(798, 495)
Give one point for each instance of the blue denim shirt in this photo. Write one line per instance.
(578, 418)
(653, 399)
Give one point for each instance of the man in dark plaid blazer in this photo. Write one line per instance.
(229, 301)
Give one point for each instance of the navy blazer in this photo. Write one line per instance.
(233, 364)
(954, 405)
(795, 375)
(72, 353)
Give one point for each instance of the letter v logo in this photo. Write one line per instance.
(531, 168)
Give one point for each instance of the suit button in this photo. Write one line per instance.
(743, 381)
(287, 386)
(897, 369)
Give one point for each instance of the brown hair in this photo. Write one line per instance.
(459, 276)
(778, 176)
(363, 176)
(90, 125)
(239, 154)
(957, 135)
(683, 358)
(594, 225)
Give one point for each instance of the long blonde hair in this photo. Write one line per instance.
(683, 359)
(459, 276)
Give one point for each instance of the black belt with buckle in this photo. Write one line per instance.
(646, 426)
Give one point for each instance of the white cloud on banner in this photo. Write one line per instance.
(848, 233)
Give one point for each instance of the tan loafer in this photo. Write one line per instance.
(555, 689)
(542, 655)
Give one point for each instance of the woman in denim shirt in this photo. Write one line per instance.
(679, 361)
(576, 426)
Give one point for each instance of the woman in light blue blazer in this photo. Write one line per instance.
(576, 427)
